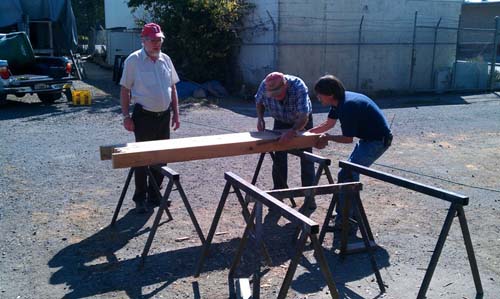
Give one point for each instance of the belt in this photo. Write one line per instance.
(151, 113)
(386, 140)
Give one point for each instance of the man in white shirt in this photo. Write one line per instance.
(148, 81)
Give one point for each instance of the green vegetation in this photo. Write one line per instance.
(89, 14)
(200, 34)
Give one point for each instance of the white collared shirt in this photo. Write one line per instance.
(150, 82)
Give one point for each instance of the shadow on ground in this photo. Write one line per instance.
(83, 269)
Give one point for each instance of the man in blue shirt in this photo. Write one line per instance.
(359, 117)
(287, 100)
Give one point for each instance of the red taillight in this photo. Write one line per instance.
(68, 68)
(4, 72)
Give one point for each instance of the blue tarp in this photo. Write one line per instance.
(59, 12)
(185, 89)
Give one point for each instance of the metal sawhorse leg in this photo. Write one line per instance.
(173, 179)
(124, 192)
(361, 220)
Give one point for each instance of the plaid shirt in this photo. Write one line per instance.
(296, 100)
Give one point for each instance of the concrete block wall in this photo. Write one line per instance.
(320, 36)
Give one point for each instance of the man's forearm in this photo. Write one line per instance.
(175, 101)
(340, 138)
(260, 111)
(125, 100)
(300, 122)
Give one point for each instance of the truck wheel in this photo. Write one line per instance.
(49, 98)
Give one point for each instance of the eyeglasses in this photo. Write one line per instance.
(154, 41)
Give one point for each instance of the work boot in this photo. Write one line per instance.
(140, 203)
(154, 199)
(311, 205)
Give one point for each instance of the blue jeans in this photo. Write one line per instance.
(280, 165)
(364, 153)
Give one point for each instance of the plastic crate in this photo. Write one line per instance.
(81, 97)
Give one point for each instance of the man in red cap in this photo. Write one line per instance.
(148, 81)
(286, 99)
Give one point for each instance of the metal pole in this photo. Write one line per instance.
(275, 42)
(278, 28)
(412, 62)
(359, 52)
(434, 52)
(494, 54)
(456, 53)
(325, 39)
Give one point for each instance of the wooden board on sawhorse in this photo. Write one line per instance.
(323, 168)
(309, 230)
(173, 179)
(146, 153)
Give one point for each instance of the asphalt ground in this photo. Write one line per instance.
(57, 200)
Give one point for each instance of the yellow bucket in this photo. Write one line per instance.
(81, 97)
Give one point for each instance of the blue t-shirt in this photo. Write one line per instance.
(360, 117)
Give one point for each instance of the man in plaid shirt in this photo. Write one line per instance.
(286, 99)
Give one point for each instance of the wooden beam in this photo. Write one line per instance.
(107, 151)
(205, 147)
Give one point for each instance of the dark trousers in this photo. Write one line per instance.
(280, 165)
(148, 126)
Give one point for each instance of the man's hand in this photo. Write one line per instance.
(322, 141)
(128, 124)
(261, 124)
(287, 136)
(175, 121)
(316, 130)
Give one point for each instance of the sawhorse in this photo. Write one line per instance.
(173, 179)
(457, 203)
(368, 244)
(309, 230)
(360, 219)
(323, 168)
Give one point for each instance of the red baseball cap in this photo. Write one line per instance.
(152, 30)
(275, 85)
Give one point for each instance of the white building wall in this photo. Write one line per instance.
(320, 36)
(258, 55)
